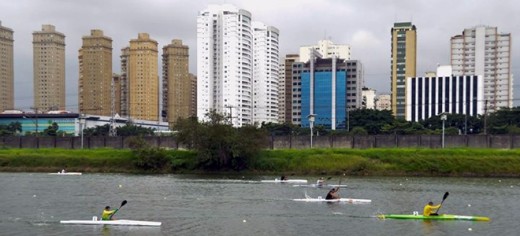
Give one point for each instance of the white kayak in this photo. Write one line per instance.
(285, 181)
(320, 185)
(320, 199)
(112, 222)
(65, 173)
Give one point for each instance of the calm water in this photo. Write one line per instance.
(34, 203)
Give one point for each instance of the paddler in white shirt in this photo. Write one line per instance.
(320, 182)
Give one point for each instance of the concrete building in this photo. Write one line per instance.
(354, 84)
(403, 64)
(49, 69)
(383, 102)
(143, 79)
(285, 86)
(176, 82)
(95, 74)
(6, 68)
(193, 95)
(116, 89)
(123, 80)
(326, 48)
(431, 96)
(226, 65)
(482, 50)
(265, 73)
(369, 98)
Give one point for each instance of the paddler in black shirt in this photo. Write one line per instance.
(333, 194)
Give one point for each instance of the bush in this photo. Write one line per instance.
(154, 159)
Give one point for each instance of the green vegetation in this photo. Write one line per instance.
(373, 162)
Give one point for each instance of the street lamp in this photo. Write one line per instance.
(311, 118)
(443, 118)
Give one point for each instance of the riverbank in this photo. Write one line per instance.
(362, 162)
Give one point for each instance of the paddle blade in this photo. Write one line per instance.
(445, 196)
(123, 203)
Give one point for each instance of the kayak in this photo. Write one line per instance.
(319, 186)
(439, 217)
(112, 222)
(65, 173)
(319, 199)
(285, 181)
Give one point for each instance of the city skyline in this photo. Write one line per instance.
(369, 37)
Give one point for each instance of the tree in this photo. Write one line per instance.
(52, 130)
(371, 120)
(219, 145)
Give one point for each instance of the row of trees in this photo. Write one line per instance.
(369, 121)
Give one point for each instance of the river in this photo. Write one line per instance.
(34, 203)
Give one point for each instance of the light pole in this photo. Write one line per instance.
(311, 118)
(81, 124)
(443, 118)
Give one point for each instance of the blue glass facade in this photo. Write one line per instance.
(323, 98)
(66, 125)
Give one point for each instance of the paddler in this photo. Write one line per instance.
(283, 178)
(430, 209)
(107, 213)
(333, 194)
(320, 182)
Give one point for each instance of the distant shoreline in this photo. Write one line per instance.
(351, 162)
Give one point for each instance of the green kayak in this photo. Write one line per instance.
(439, 217)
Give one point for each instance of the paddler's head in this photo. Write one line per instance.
(430, 203)
(107, 208)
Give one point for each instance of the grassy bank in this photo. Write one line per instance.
(390, 162)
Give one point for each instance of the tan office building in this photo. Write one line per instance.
(176, 84)
(6, 69)
(95, 74)
(193, 94)
(116, 86)
(143, 79)
(404, 54)
(49, 69)
(285, 89)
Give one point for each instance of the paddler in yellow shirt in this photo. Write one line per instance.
(430, 209)
(107, 213)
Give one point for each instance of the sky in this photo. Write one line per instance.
(364, 25)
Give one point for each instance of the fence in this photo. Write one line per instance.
(282, 142)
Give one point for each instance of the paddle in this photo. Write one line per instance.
(122, 204)
(443, 198)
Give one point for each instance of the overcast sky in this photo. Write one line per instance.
(365, 25)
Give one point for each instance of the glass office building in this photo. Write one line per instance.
(328, 107)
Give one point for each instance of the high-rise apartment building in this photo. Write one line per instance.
(193, 95)
(123, 81)
(176, 83)
(95, 74)
(326, 48)
(6, 69)
(116, 90)
(403, 63)
(143, 79)
(49, 69)
(285, 85)
(265, 73)
(482, 50)
(226, 59)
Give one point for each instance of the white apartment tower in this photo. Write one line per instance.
(226, 61)
(265, 73)
(483, 51)
(326, 48)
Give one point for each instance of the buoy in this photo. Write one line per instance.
(34, 195)
(120, 186)
(244, 221)
(469, 229)
(469, 205)
(499, 180)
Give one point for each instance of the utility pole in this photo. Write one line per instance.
(112, 130)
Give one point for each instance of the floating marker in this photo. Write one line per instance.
(469, 229)
(120, 186)
(469, 205)
(244, 221)
(34, 195)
